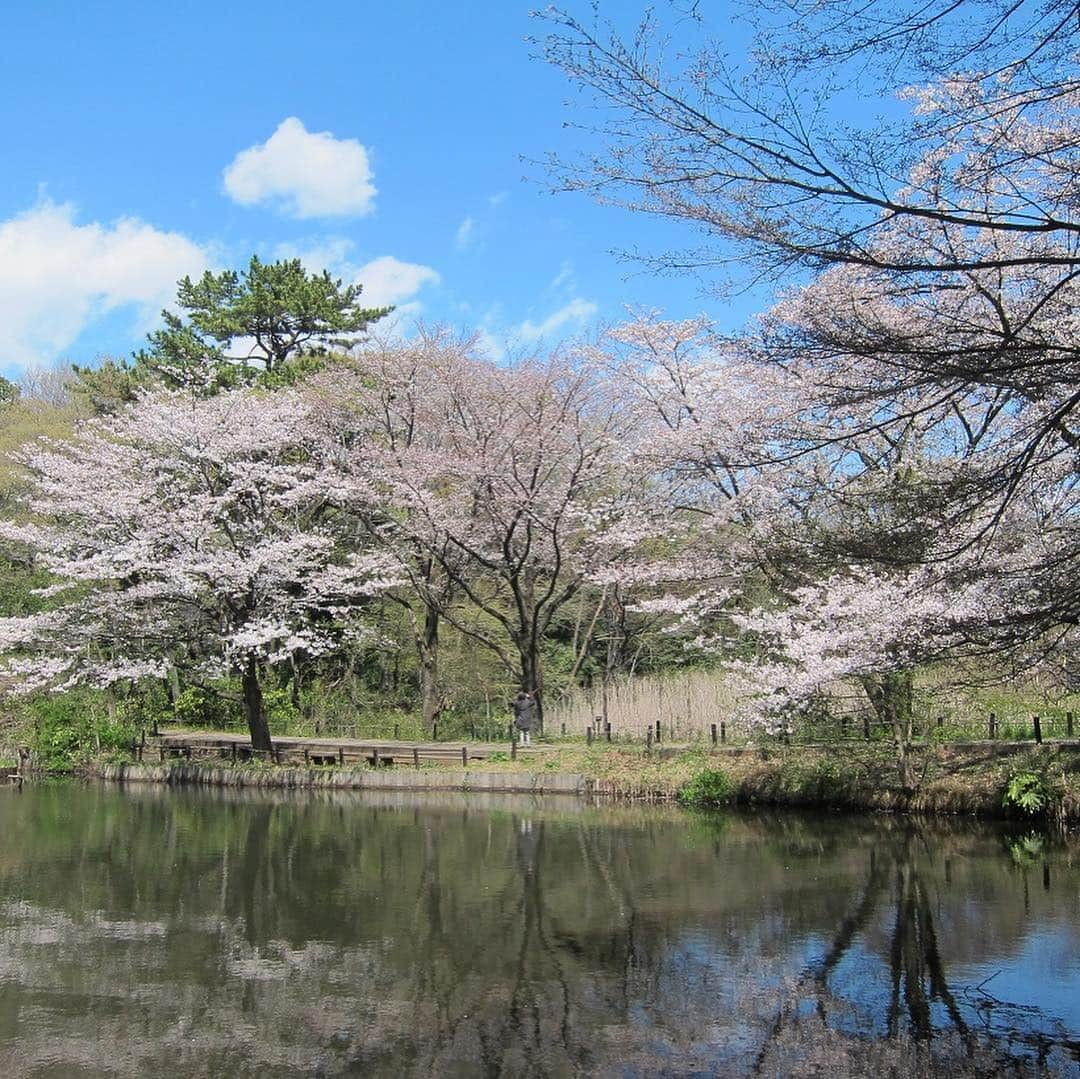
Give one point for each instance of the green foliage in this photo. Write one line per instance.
(1027, 850)
(105, 389)
(76, 727)
(282, 308)
(9, 392)
(200, 707)
(711, 787)
(1031, 793)
(282, 713)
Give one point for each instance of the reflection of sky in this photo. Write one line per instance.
(1044, 975)
(1036, 988)
(1041, 980)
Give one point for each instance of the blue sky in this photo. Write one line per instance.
(383, 141)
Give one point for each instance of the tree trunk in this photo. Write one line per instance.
(428, 646)
(532, 678)
(892, 695)
(253, 707)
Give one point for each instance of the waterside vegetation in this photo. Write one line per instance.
(1019, 781)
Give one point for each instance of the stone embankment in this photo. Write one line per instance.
(178, 773)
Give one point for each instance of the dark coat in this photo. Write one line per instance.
(524, 712)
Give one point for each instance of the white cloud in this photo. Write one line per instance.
(57, 276)
(388, 280)
(565, 277)
(576, 311)
(303, 173)
(494, 346)
(466, 233)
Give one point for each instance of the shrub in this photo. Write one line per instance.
(198, 707)
(74, 727)
(1030, 793)
(711, 787)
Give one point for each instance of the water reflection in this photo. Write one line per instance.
(199, 933)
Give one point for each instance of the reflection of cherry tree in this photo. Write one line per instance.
(185, 533)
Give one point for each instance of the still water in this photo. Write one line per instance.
(191, 933)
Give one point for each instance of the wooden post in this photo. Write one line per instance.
(232, 746)
(375, 757)
(564, 728)
(712, 732)
(416, 757)
(465, 756)
(723, 732)
(307, 758)
(658, 732)
(866, 727)
(1068, 725)
(397, 731)
(607, 731)
(1037, 724)
(472, 728)
(588, 735)
(341, 756)
(434, 730)
(992, 726)
(648, 740)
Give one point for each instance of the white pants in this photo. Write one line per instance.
(523, 738)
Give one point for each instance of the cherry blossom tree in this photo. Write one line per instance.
(377, 413)
(185, 533)
(508, 485)
(943, 240)
(848, 532)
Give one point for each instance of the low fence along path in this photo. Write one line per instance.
(316, 751)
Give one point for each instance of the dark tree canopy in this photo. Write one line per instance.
(257, 321)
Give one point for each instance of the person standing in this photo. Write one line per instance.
(524, 706)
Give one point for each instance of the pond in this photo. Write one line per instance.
(173, 932)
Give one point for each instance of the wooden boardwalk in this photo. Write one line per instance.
(325, 751)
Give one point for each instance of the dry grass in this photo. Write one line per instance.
(949, 705)
(685, 704)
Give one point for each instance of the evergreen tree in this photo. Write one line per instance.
(237, 326)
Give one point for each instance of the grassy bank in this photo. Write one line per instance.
(969, 779)
(989, 779)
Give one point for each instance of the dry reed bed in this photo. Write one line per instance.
(688, 703)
